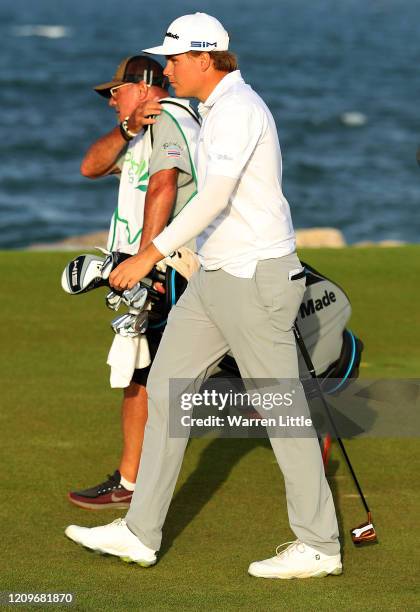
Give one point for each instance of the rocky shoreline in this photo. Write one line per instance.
(315, 237)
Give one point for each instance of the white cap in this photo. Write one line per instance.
(198, 32)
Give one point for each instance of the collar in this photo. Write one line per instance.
(221, 88)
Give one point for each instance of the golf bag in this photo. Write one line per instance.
(323, 315)
(322, 318)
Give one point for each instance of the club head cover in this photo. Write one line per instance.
(82, 274)
(111, 261)
(87, 272)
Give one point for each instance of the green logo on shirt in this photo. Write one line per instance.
(137, 172)
(143, 178)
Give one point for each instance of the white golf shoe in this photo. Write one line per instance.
(297, 561)
(113, 539)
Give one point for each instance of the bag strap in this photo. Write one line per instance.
(188, 109)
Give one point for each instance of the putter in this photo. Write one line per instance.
(365, 532)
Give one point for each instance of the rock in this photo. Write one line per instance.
(74, 243)
(391, 243)
(381, 243)
(320, 237)
(312, 237)
(364, 243)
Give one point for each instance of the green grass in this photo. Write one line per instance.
(60, 430)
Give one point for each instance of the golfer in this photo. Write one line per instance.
(244, 298)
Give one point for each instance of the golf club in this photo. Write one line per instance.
(364, 533)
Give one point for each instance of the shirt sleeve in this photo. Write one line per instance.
(169, 147)
(199, 213)
(233, 138)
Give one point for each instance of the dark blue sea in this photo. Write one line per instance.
(342, 78)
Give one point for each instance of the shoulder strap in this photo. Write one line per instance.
(191, 112)
(189, 109)
(152, 138)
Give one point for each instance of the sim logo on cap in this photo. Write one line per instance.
(202, 45)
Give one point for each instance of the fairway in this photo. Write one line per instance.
(60, 431)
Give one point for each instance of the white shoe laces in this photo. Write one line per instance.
(294, 545)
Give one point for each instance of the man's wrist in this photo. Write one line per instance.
(152, 254)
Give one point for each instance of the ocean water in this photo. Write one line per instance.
(341, 78)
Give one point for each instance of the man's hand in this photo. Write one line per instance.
(141, 116)
(127, 274)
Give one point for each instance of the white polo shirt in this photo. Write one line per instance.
(238, 139)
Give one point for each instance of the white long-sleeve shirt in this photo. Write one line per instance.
(240, 214)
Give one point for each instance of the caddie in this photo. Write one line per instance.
(152, 150)
(244, 298)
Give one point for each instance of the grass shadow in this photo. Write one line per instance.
(215, 465)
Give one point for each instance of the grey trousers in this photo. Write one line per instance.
(253, 318)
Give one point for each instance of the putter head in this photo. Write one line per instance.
(364, 533)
